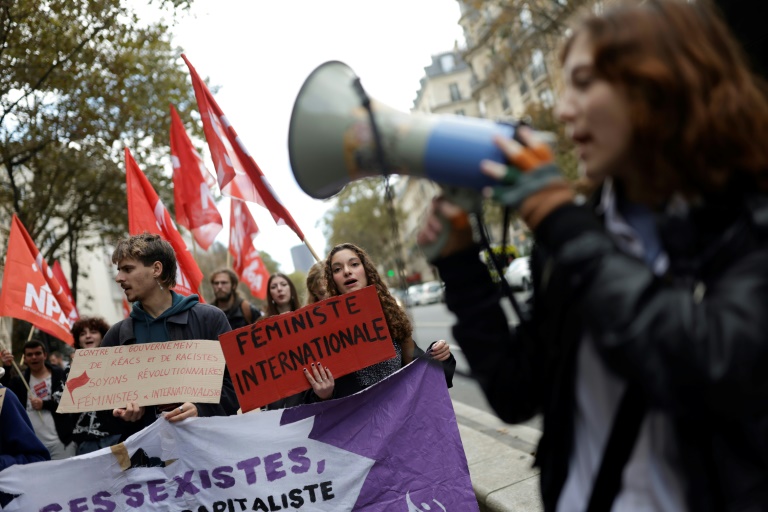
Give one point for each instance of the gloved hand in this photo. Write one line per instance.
(446, 229)
(526, 183)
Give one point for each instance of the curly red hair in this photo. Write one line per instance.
(699, 116)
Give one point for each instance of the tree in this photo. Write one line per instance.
(79, 81)
(362, 216)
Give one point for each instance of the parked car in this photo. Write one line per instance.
(414, 295)
(432, 292)
(518, 274)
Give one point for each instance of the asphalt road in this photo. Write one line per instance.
(433, 322)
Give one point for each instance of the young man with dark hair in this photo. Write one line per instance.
(146, 271)
(239, 311)
(47, 384)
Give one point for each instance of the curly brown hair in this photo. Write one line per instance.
(316, 288)
(94, 323)
(397, 320)
(699, 115)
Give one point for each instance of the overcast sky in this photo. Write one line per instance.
(260, 52)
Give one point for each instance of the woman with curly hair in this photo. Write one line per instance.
(348, 268)
(93, 429)
(316, 288)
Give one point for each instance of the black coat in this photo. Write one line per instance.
(694, 341)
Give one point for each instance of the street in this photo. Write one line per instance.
(433, 322)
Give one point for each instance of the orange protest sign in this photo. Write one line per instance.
(345, 333)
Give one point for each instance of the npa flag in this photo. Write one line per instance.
(232, 161)
(146, 212)
(195, 208)
(349, 454)
(59, 274)
(30, 290)
(245, 258)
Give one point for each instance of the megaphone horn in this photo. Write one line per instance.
(338, 135)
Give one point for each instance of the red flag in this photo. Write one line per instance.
(77, 382)
(146, 212)
(232, 161)
(195, 208)
(59, 274)
(245, 258)
(126, 308)
(30, 290)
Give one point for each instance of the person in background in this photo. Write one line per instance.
(239, 311)
(316, 288)
(282, 298)
(94, 429)
(56, 358)
(281, 295)
(646, 351)
(47, 385)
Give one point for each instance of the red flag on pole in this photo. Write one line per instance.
(246, 260)
(59, 274)
(30, 290)
(232, 161)
(195, 208)
(146, 212)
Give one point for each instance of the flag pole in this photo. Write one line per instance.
(3, 346)
(309, 246)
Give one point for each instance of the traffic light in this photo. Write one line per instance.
(390, 273)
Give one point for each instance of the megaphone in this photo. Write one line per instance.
(338, 134)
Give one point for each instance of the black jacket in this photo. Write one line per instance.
(235, 314)
(64, 422)
(201, 322)
(694, 341)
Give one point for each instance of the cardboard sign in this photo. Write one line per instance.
(148, 374)
(345, 333)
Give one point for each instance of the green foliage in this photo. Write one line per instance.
(79, 81)
(361, 216)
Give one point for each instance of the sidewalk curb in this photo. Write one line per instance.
(500, 459)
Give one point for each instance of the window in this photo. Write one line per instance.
(455, 92)
(460, 112)
(447, 63)
(526, 18)
(538, 68)
(546, 98)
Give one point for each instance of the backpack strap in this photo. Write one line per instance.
(245, 306)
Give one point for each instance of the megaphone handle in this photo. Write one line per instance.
(365, 101)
